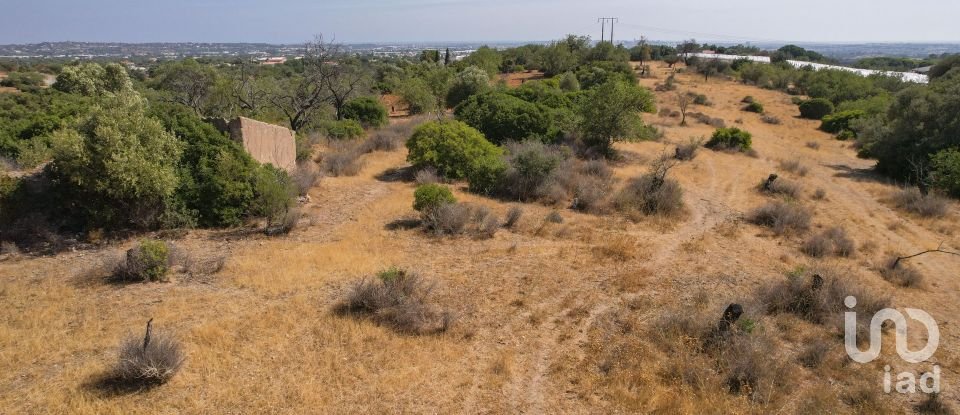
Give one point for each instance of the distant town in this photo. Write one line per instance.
(458, 50)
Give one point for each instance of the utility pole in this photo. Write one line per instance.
(603, 27)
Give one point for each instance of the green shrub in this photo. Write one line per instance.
(502, 117)
(343, 129)
(846, 135)
(148, 261)
(569, 82)
(840, 121)
(701, 99)
(754, 107)
(529, 163)
(275, 196)
(946, 171)
(430, 196)
(368, 111)
(816, 109)
(469, 82)
(730, 138)
(456, 151)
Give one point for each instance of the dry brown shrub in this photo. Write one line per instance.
(397, 299)
(149, 360)
(781, 217)
(912, 200)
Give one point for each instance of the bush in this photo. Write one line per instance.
(368, 111)
(781, 217)
(730, 138)
(839, 122)
(781, 186)
(946, 171)
(431, 196)
(688, 150)
(901, 275)
(447, 218)
(754, 107)
(342, 160)
(816, 109)
(569, 82)
(833, 241)
(343, 129)
(426, 176)
(456, 151)
(700, 99)
(794, 166)
(502, 117)
(513, 216)
(397, 299)
(819, 297)
(652, 193)
(912, 200)
(150, 360)
(529, 165)
(820, 194)
(305, 176)
(748, 99)
(275, 196)
(469, 82)
(770, 119)
(148, 261)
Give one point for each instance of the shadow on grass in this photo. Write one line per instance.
(110, 385)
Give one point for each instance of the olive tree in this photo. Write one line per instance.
(611, 111)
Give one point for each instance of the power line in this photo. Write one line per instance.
(603, 23)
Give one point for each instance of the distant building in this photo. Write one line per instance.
(274, 60)
(266, 143)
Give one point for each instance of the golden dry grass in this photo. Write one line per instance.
(550, 317)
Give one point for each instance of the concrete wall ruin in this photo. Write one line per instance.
(266, 143)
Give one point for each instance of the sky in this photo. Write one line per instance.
(359, 21)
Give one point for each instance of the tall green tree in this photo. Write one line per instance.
(611, 112)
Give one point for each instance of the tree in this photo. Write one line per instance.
(502, 117)
(683, 102)
(816, 109)
(485, 58)
(91, 79)
(187, 82)
(569, 82)
(946, 171)
(328, 78)
(711, 67)
(471, 81)
(671, 60)
(611, 112)
(457, 151)
(944, 66)
(922, 121)
(118, 166)
(437, 79)
(557, 59)
(366, 110)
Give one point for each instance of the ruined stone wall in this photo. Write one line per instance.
(266, 143)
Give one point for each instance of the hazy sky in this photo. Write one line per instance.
(292, 21)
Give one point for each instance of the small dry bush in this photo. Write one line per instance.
(305, 176)
(448, 218)
(781, 217)
(554, 217)
(813, 144)
(343, 159)
(901, 274)
(770, 119)
(795, 167)
(397, 299)
(781, 186)
(708, 120)
(688, 151)
(652, 193)
(814, 354)
(833, 241)
(513, 216)
(819, 194)
(912, 200)
(427, 175)
(150, 360)
(391, 137)
(753, 369)
(819, 297)
(934, 404)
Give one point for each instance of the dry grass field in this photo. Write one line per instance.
(590, 315)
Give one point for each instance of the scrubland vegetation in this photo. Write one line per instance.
(563, 245)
